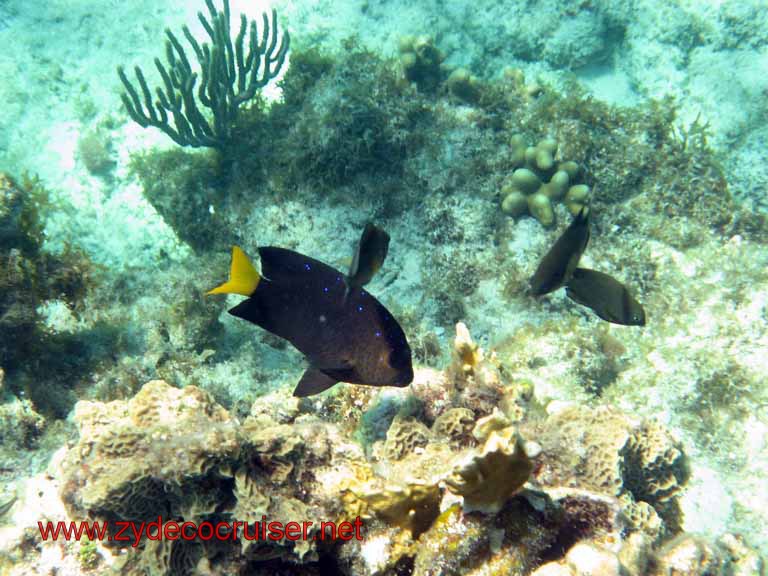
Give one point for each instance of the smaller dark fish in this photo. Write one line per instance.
(369, 256)
(558, 264)
(607, 297)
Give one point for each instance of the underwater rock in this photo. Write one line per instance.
(20, 424)
(590, 560)
(464, 85)
(434, 390)
(472, 381)
(584, 559)
(690, 555)
(693, 555)
(95, 150)
(467, 544)
(413, 507)
(744, 559)
(636, 553)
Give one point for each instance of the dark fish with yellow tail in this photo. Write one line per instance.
(368, 257)
(346, 336)
(559, 263)
(606, 296)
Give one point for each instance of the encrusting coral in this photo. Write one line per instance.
(539, 180)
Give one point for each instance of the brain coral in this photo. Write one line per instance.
(143, 457)
(603, 450)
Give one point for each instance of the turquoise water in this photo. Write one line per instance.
(517, 431)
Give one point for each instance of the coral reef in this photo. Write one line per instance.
(425, 147)
(581, 489)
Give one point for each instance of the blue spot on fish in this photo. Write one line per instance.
(307, 267)
(359, 308)
(325, 289)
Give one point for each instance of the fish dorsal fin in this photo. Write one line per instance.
(313, 382)
(281, 264)
(355, 259)
(243, 277)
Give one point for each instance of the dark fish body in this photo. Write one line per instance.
(369, 256)
(558, 264)
(346, 335)
(606, 296)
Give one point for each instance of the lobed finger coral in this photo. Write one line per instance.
(539, 180)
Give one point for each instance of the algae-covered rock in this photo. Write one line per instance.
(689, 555)
(20, 424)
(413, 507)
(508, 543)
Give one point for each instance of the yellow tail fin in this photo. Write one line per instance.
(243, 277)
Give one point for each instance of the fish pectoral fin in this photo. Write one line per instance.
(573, 295)
(344, 374)
(313, 382)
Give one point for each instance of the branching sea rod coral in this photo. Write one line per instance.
(229, 79)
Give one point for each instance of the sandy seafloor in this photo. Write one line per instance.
(58, 81)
